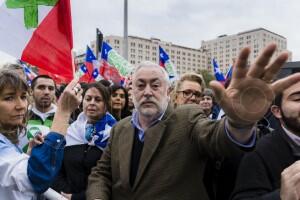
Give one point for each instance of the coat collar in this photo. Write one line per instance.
(153, 136)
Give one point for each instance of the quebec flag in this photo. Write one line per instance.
(165, 62)
(218, 74)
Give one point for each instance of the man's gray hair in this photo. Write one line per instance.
(151, 64)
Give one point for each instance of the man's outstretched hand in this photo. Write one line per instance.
(251, 90)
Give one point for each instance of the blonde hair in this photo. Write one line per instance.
(190, 76)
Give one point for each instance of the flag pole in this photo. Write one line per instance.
(99, 40)
(125, 43)
(73, 62)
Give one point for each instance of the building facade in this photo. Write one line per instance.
(225, 48)
(140, 49)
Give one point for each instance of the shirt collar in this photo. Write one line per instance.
(292, 136)
(293, 141)
(135, 119)
(45, 115)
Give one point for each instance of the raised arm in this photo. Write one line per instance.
(251, 91)
(46, 159)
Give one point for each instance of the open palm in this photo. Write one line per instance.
(251, 91)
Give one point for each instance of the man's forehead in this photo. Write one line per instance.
(148, 73)
(191, 84)
(294, 89)
(45, 81)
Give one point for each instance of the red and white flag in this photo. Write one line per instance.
(39, 33)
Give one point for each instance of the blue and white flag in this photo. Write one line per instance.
(229, 73)
(30, 75)
(165, 62)
(217, 72)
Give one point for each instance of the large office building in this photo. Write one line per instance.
(185, 59)
(225, 48)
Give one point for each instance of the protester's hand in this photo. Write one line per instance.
(71, 97)
(251, 91)
(67, 196)
(37, 140)
(290, 182)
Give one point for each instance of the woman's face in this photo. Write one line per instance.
(93, 104)
(206, 103)
(118, 99)
(13, 107)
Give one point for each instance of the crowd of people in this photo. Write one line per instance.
(149, 140)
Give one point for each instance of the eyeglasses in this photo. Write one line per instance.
(189, 93)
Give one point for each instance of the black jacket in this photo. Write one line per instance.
(77, 164)
(260, 171)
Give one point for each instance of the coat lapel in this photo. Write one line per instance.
(125, 149)
(153, 137)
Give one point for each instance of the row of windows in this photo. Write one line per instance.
(179, 69)
(248, 39)
(139, 45)
(154, 48)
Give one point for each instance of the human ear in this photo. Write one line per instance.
(276, 111)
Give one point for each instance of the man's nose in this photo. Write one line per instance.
(148, 90)
(47, 90)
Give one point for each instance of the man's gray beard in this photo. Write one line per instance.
(162, 107)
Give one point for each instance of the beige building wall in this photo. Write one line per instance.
(225, 48)
(140, 49)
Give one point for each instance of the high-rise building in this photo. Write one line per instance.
(225, 48)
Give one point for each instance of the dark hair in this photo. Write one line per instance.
(10, 79)
(60, 90)
(124, 113)
(33, 82)
(104, 82)
(278, 100)
(103, 91)
(208, 92)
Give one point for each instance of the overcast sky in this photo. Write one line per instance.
(186, 22)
